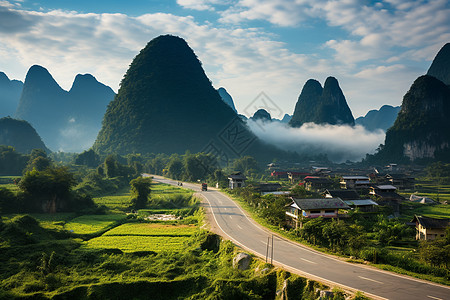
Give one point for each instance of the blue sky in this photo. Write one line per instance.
(375, 49)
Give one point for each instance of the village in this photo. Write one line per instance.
(340, 192)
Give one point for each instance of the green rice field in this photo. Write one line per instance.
(132, 237)
(87, 224)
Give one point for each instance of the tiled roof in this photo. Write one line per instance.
(322, 203)
(431, 222)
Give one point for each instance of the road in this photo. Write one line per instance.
(234, 224)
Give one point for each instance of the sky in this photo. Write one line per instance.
(376, 49)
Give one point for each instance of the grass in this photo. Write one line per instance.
(159, 188)
(49, 221)
(132, 237)
(122, 199)
(430, 189)
(88, 224)
(150, 229)
(409, 209)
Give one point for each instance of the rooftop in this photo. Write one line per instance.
(322, 203)
(431, 222)
(343, 194)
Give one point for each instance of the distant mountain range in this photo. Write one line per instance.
(21, 135)
(382, 119)
(10, 91)
(67, 121)
(262, 115)
(319, 105)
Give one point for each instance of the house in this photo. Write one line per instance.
(384, 188)
(268, 187)
(294, 176)
(366, 205)
(343, 194)
(352, 199)
(236, 180)
(355, 182)
(401, 181)
(320, 170)
(430, 228)
(313, 208)
(279, 174)
(386, 195)
(315, 183)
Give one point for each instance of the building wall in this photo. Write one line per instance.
(429, 234)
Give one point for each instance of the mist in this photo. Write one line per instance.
(339, 142)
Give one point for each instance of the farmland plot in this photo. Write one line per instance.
(156, 237)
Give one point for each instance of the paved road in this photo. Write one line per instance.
(378, 284)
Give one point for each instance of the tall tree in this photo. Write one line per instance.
(140, 191)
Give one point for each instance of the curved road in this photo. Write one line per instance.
(238, 227)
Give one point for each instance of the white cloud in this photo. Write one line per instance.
(245, 61)
(198, 4)
(340, 143)
(279, 12)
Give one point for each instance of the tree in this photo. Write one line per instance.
(140, 191)
(88, 158)
(48, 190)
(11, 161)
(111, 166)
(38, 161)
(246, 164)
(175, 168)
(199, 166)
(7, 201)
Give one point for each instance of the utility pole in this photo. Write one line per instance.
(271, 257)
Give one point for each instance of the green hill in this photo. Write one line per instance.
(440, 68)
(20, 134)
(421, 128)
(319, 105)
(167, 104)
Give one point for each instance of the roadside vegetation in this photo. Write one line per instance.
(93, 241)
(91, 225)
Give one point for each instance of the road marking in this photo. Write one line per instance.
(224, 208)
(307, 260)
(239, 227)
(370, 279)
(230, 216)
(434, 297)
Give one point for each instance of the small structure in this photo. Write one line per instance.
(236, 180)
(343, 194)
(279, 174)
(366, 205)
(320, 170)
(313, 208)
(315, 183)
(355, 182)
(420, 199)
(401, 181)
(385, 188)
(268, 187)
(294, 176)
(430, 228)
(386, 195)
